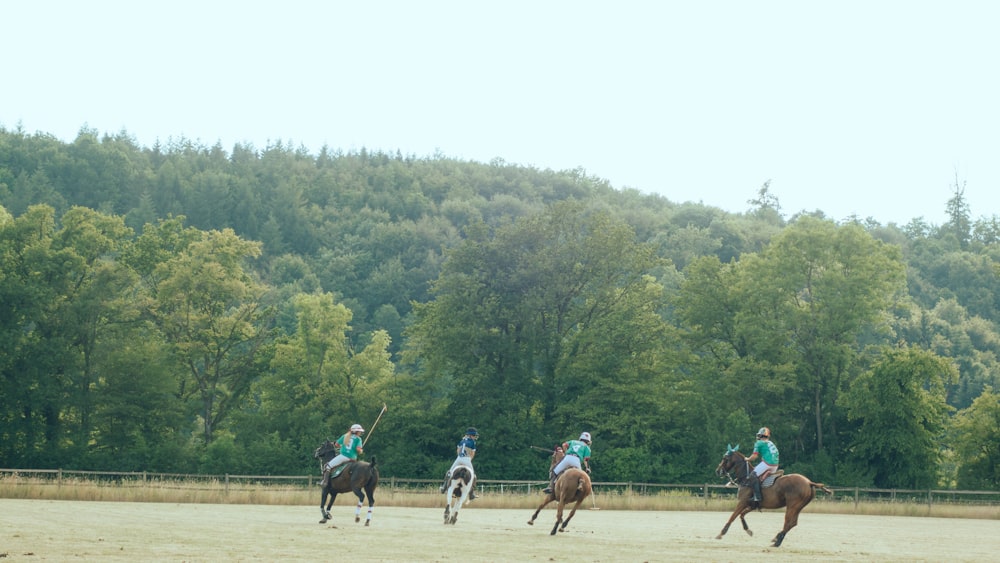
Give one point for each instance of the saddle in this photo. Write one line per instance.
(771, 478)
(336, 471)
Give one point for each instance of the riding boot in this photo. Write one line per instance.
(755, 483)
(552, 484)
(326, 478)
(444, 485)
(472, 490)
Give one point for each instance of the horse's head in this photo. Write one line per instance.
(325, 451)
(729, 460)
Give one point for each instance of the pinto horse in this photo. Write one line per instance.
(792, 491)
(457, 492)
(572, 485)
(359, 477)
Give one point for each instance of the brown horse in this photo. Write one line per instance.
(359, 477)
(572, 485)
(792, 491)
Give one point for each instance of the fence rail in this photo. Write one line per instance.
(59, 477)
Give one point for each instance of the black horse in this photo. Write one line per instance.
(360, 477)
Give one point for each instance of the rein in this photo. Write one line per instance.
(729, 474)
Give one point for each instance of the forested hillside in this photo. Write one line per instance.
(196, 309)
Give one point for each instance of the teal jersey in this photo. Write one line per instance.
(350, 449)
(767, 450)
(578, 448)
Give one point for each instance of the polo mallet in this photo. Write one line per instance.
(593, 501)
(374, 424)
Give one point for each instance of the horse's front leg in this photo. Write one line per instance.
(327, 500)
(547, 500)
(743, 520)
(741, 509)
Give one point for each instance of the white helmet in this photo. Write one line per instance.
(357, 428)
(585, 437)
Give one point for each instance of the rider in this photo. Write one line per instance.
(576, 451)
(348, 447)
(464, 452)
(768, 453)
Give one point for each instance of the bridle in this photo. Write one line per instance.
(732, 465)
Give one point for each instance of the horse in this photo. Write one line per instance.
(359, 477)
(792, 491)
(457, 492)
(572, 485)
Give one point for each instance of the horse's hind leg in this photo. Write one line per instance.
(791, 520)
(570, 517)
(559, 518)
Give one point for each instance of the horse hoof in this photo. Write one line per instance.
(531, 522)
(367, 522)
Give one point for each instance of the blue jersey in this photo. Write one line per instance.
(465, 445)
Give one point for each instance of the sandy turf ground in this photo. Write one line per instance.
(41, 530)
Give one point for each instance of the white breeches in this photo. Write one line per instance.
(763, 469)
(568, 461)
(337, 461)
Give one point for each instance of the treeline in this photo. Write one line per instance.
(184, 308)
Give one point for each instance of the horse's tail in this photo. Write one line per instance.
(821, 487)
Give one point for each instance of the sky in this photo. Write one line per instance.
(854, 108)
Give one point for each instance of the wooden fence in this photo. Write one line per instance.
(59, 477)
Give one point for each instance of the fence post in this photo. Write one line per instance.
(929, 496)
(59, 479)
(227, 484)
(857, 495)
(704, 489)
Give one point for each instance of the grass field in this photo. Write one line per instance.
(56, 530)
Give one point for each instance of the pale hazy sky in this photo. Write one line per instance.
(851, 107)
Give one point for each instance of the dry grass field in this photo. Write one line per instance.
(59, 530)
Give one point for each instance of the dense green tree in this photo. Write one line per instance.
(976, 434)
(209, 309)
(901, 410)
(317, 385)
(506, 307)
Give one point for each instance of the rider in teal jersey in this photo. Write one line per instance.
(349, 446)
(577, 451)
(768, 453)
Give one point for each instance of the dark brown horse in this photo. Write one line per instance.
(573, 485)
(792, 491)
(359, 477)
